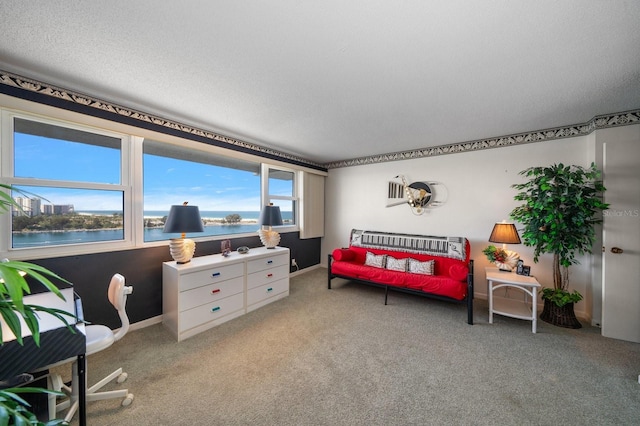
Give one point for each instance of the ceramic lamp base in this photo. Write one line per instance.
(182, 249)
(269, 238)
(510, 261)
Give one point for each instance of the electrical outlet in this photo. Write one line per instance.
(293, 263)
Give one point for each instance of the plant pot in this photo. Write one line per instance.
(561, 316)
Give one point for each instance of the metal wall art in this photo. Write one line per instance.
(420, 196)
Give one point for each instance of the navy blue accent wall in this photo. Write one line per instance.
(142, 268)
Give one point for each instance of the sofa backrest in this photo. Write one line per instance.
(452, 247)
(451, 254)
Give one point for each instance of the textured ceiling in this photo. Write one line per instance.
(333, 80)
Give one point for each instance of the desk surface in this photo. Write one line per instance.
(45, 321)
(55, 345)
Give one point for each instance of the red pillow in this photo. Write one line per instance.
(343, 254)
(458, 272)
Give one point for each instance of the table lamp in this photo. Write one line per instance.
(183, 219)
(270, 216)
(506, 233)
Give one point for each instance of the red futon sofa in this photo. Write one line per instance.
(436, 267)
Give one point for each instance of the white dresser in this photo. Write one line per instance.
(214, 289)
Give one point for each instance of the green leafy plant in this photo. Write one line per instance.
(559, 211)
(561, 297)
(13, 287)
(14, 411)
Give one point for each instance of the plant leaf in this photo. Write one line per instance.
(32, 323)
(11, 318)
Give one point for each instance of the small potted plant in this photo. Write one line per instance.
(561, 206)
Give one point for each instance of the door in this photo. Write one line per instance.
(621, 236)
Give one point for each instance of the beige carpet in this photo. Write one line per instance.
(341, 357)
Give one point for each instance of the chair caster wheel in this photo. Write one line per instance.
(128, 400)
(122, 377)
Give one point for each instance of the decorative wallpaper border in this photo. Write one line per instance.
(598, 122)
(89, 104)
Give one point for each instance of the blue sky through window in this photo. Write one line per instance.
(167, 181)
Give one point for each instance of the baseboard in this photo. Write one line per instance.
(302, 271)
(146, 323)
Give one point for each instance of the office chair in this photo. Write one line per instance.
(99, 337)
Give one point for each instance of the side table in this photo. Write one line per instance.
(521, 309)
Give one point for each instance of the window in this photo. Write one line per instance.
(68, 182)
(281, 191)
(83, 189)
(226, 190)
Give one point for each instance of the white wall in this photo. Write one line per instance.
(479, 194)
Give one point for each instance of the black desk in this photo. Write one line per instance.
(55, 345)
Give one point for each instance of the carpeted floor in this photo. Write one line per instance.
(341, 357)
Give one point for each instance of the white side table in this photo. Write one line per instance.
(521, 309)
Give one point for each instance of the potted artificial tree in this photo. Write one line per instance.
(13, 287)
(561, 207)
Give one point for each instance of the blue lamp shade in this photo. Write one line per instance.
(183, 219)
(270, 216)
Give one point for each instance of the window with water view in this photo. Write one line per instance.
(68, 185)
(79, 185)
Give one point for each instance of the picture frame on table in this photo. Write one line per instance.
(225, 247)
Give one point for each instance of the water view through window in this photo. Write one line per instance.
(215, 224)
(72, 186)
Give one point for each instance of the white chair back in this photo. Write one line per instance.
(118, 292)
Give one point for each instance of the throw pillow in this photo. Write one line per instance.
(425, 268)
(379, 261)
(396, 264)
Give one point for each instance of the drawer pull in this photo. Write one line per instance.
(269, 261)
(217, 290)
(269, 275)
(269, 289)
(215, 274)
(217, 308)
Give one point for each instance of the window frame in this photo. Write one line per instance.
(267, 197)
(131, 184)
(7, 174)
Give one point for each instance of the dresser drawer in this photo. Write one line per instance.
(211, 276)
(263, 263)
(266, 291)
(210, 292)
(211, 311)
(269, 275)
